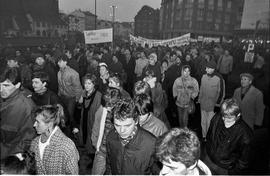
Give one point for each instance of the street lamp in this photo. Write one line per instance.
(95, 14)
(113, 19)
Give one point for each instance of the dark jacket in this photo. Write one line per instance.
(229, 148)
(135, 158)
(16, 127)
(47, 98)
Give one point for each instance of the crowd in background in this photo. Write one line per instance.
(125, 102)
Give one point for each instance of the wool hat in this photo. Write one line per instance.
(211, 64)
(247, 75)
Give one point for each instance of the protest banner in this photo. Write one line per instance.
(98, 36)
(178, 41)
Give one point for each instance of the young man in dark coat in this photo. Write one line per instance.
(16, 128)
(228, 141)
(130, 149)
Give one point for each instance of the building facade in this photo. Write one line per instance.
(81, 21)
(207, 18)
(255, 21)
(31, 18)
(146, 23)
(121, 29)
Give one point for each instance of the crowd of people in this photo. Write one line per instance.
(132, 109)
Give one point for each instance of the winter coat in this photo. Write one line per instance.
(16, 128)
(251, 106)
(60, 156)
(154, 125)
(209, 92)
(135, 158)
(229, 148)
(184, 90)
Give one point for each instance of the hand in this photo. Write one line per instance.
(80, 100)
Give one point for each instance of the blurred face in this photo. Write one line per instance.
(18, 53)
(152, 60)
(12, 63)
(229, 120)
(40, 60)
(7, 88)
(209, 70)
(127, 53)
(103, 70)
(143, 55)
(40, 126)
(173, 168)
(188, 58)
(186, 72)
(245, 81)
(173, 57)
(115, 59)
(112, 83)
(62, 63)
(125, 127)
(164, 66)
(88, 85)
(38, 85)
(226, 52)
(68, 54)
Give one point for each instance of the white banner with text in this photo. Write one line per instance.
(98, 36)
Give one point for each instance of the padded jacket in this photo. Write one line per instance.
(229, 148)
(135, 158)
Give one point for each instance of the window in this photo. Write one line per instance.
(201, 3)
(189, 3)
(229, 4)
(217, 27)
(200, 14)
(188, 14)
(211, 4)
(218, 17)
(44, 33)
(227, 19)
(38, 33)
(178, 15)
(219, 4)
(179, 4)
(209, 16)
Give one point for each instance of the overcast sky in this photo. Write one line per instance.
(125, 11)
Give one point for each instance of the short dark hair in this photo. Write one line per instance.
(111, 96)
(186, 66)
(143, 104)
(142, 87)
(164, 61)
(13, 75)
(117, 78)
(14, 165)
(123, 109)
(43, 76)
(179, 145)
(150, 72)
(12, 57)
(62, 57)
(91, 77)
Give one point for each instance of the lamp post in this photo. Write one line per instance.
(113, 19)
(95, 14)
